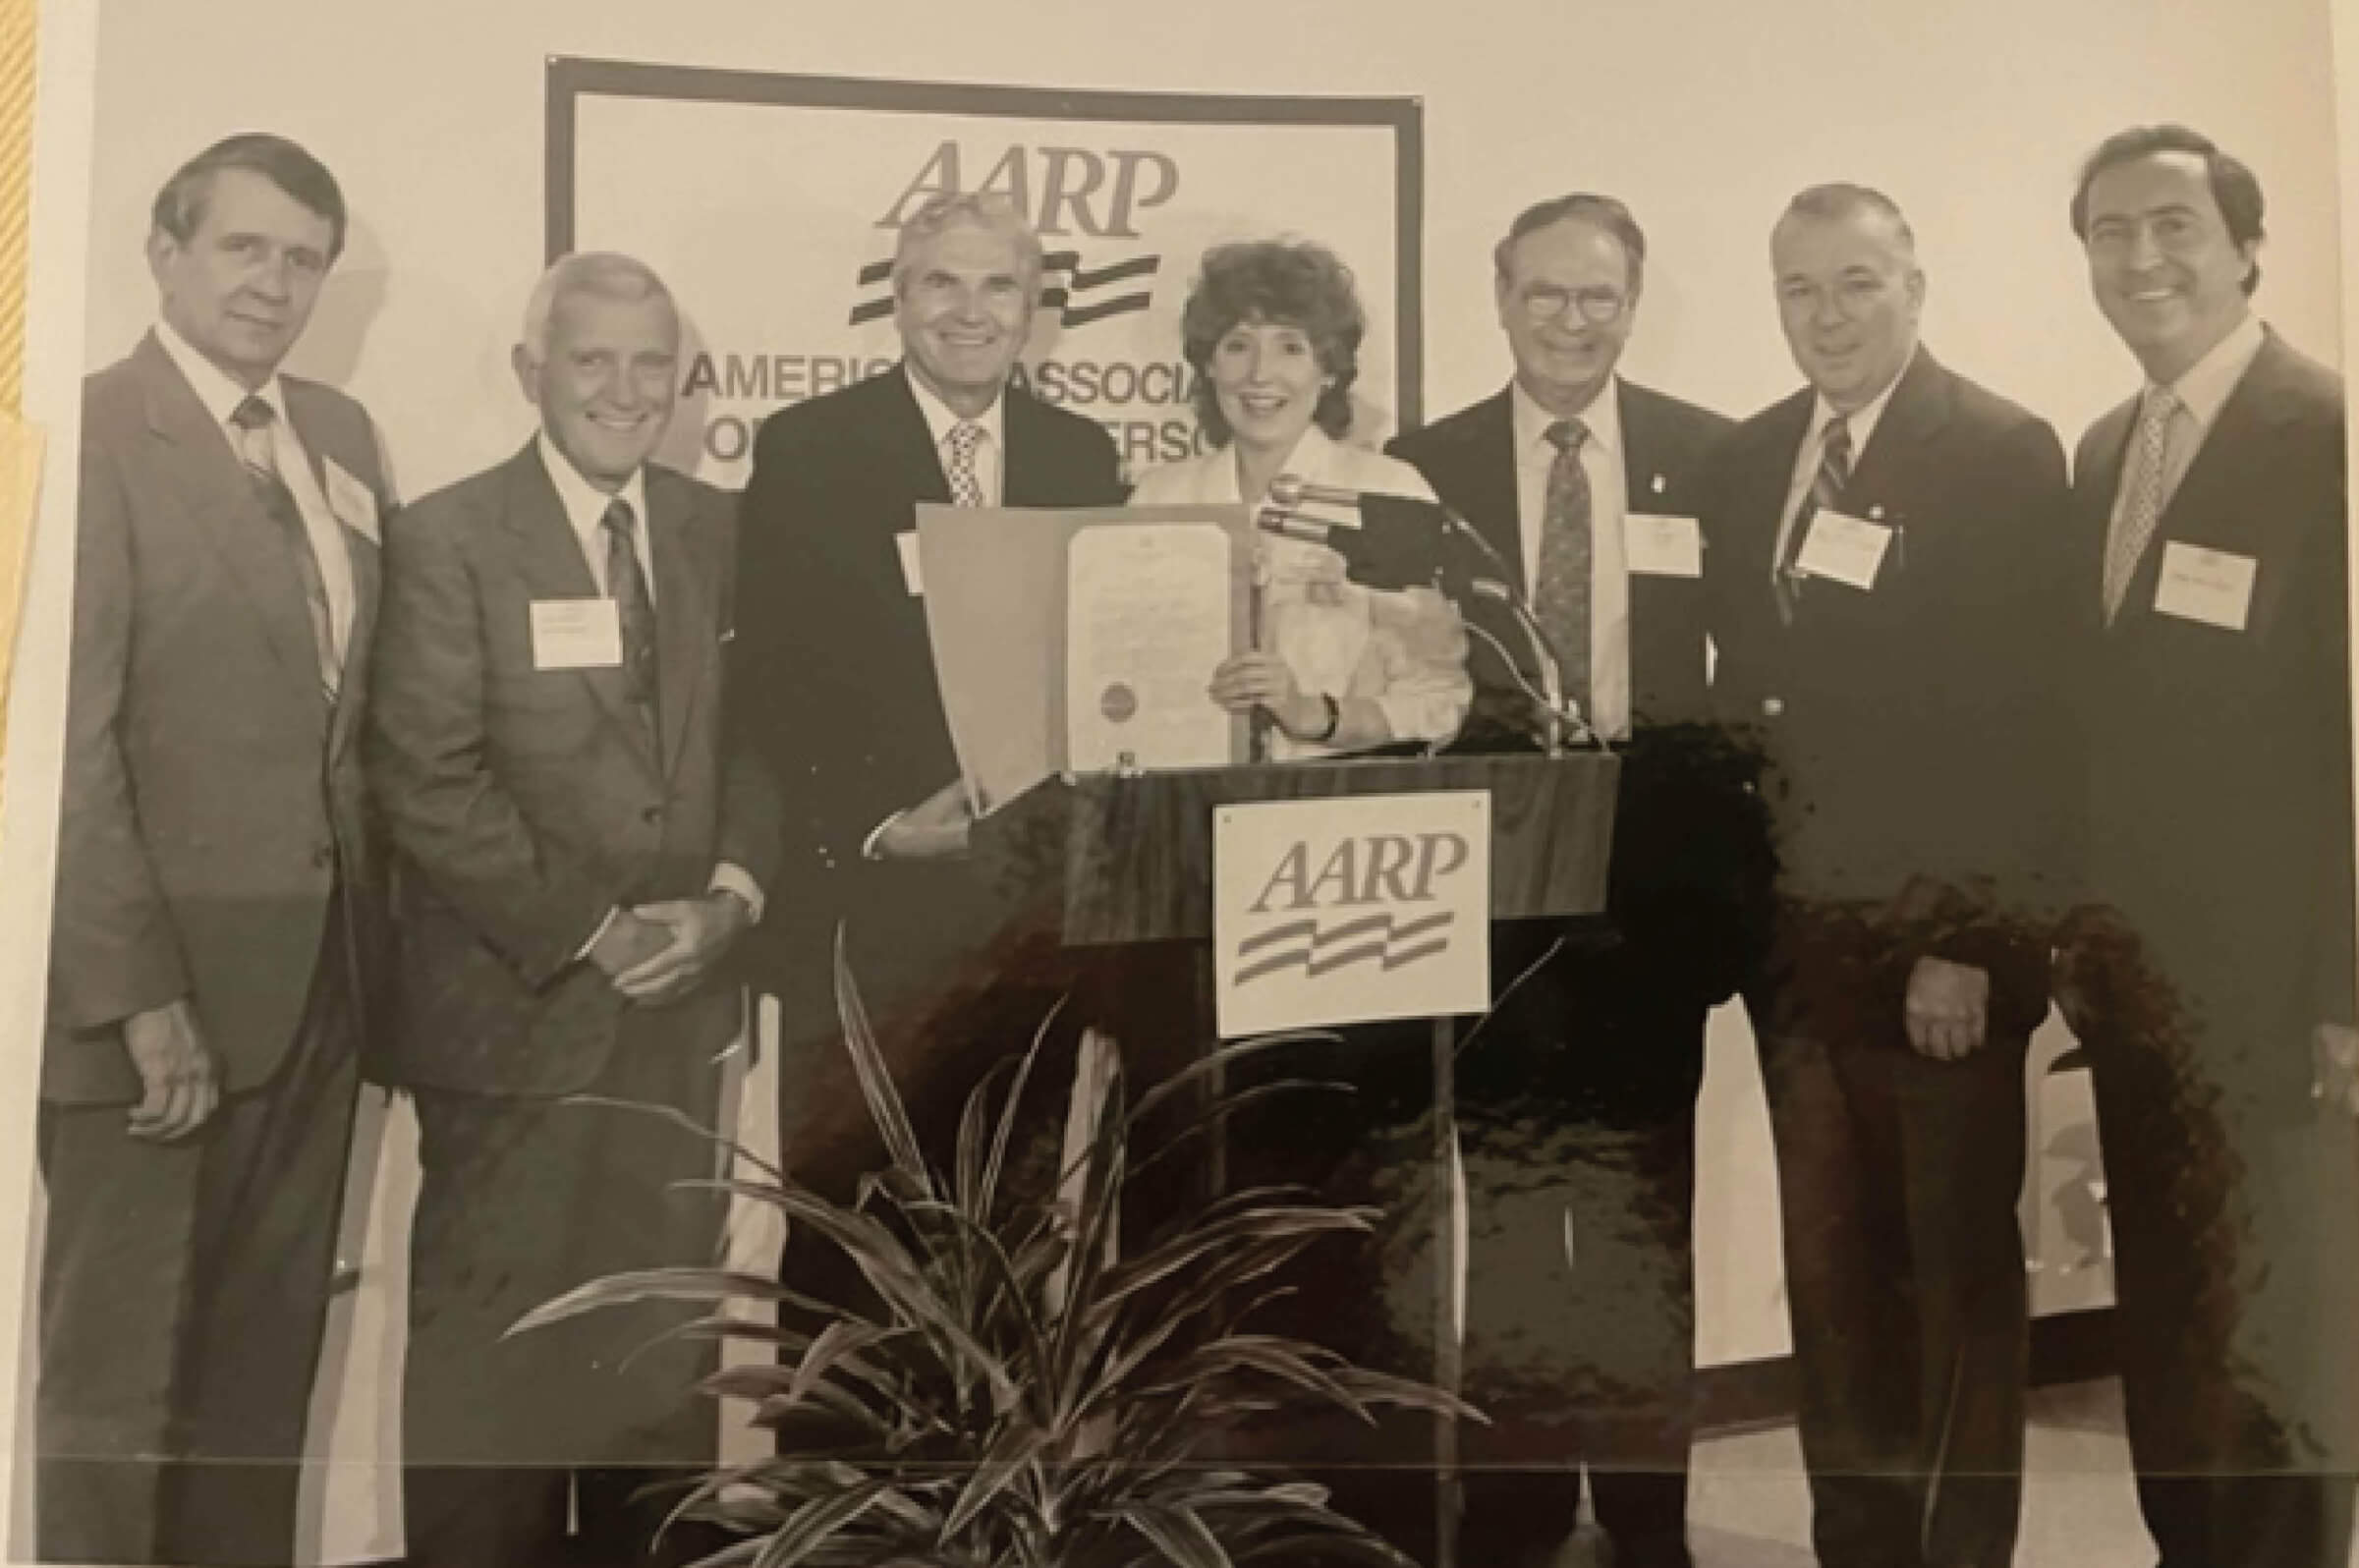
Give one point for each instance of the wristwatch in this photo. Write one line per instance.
(1334, 720)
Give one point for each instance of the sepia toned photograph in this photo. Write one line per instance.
(1464, 788)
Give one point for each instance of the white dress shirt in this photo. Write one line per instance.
(1608, 707)
(1862, 423)
(221, 397)
(585, 511)
(941, 419)
(2202, 391)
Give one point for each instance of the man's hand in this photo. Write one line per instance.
(1948, 1009)
(628, 941)
(701, 931)
(2335, 1053)
(177, 1070)
(932, 830)
(1247, 681)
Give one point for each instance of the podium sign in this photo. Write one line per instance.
(1350, 910)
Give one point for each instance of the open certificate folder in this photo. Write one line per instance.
(1085, 640)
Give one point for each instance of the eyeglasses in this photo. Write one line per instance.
(1544, 302)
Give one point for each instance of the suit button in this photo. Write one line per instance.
(1773, 707)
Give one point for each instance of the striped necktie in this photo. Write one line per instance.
(258, 449)
(634, 607)
(1826, 494)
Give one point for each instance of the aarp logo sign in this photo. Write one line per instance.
(1347, 910)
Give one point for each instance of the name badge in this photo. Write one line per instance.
(910, 573)
(1663, 546)
(1848, 549)
(353, 502)
(2214, 587)
(575, 634)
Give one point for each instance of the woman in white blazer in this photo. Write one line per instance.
(1273, 331)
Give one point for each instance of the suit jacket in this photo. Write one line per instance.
(2219, 779)
(849, 715)
(1687, 881)
(212, 793)
(1914, 740)
(523, 804)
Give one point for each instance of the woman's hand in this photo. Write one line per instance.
(1247, 680)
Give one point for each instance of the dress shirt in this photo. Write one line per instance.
(941, 419)
(1862, 423)
(2202, 391)
(221, 398)
(585, 511)
(1602, 460)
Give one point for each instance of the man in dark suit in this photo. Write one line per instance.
(216, 910)
(2210, 972)
(833, 642)
(1576, 1099)
(1884, 554)
(576, 853)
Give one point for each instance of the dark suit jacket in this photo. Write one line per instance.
(847, 712)
(213, 796)
(2219, 800)
(1913, 736)
(523, 804)
(1687, 856)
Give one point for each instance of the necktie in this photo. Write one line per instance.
(1826, 494)
(2134, 529)
(1560, 598)
(966, 487)
(258, 451)
(634, 607)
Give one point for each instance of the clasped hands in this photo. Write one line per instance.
(1948, 1009)
(658, 953)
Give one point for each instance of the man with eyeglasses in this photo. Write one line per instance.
(1577, 1098)
(1885, 564)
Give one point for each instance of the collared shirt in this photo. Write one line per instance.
(1602, 461)
(221, 398)
(585, 509)
(2202, 391)
(1862, 423)
(941, 419)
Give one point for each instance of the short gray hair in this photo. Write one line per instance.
(608, 273)
(1832, 203)
(972, 208)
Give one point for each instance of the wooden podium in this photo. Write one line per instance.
(1128, 858)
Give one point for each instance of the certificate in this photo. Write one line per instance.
(1148, 619)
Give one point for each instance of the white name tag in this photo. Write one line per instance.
(575, 634)
(353, 502)
(2214, 587)
(911, 573)
(1663, 546)
(1848, 549)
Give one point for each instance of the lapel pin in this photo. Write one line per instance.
(1875, 514)
(1658, 484)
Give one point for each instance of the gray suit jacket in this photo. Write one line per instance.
(212, 793)
(524, 803)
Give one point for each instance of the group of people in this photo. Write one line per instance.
(495, 797)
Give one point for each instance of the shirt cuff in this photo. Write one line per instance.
(728, 878)
(596, 936)
(868, 846)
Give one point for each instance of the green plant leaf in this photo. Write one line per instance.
(836, 1343)
(1217, 1062)
(657, 1284)
(1179, 1535)
(817, 1520)
(886, 1108)
(681, 1119)
(1017, 1445)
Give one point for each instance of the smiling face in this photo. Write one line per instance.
(1268, 380)
(606, 381)
(2162, 263)
(964, 309)
(240, 286)
(1848, 296)
(1567, 303)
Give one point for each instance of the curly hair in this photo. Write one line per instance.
(1284, 283)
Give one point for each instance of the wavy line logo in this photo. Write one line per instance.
(1378, 939)
(1079, 294)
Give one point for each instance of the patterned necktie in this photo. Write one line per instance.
(1560, 598)
(1826, 494)
(2134, 529)
(966, 487)
(634, 606)
(257, 450)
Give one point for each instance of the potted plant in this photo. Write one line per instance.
(1021, 1394)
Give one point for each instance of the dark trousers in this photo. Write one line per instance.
(518, 1202)
(185, 1290)
(1897, 1179)
(2235, 1228)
